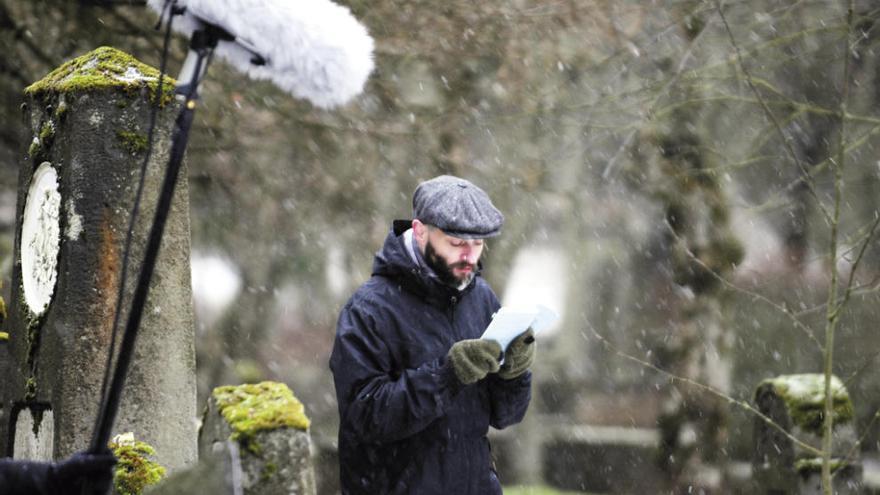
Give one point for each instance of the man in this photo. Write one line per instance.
(67, 477)
(417, 388)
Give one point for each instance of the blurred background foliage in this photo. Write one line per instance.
(624, 141)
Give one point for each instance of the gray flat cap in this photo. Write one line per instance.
(457, 207)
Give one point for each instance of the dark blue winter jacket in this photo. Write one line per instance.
(407, 424)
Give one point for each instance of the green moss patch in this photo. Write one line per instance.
(61, 109)
(34, 148)
(804, 396)
(3, 313)
(47, 131)
(30, 388)
(103, 68)
(134, 468)
(268, 471)
(132, 141)
(251, 408)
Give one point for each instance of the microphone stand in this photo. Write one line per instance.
(202, 45)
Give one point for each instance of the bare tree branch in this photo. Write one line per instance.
(833, 312)
(759, 297)
(627, 142)
(805, 172)
(855, 266)
(742, 404)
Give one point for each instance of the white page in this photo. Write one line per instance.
(509, 322)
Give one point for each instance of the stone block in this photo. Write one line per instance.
(77, 182)
(796, 404)
(89, 121)
(272, 431)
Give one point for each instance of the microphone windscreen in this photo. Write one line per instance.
(314, 49)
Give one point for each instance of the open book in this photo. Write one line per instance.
(511, 321)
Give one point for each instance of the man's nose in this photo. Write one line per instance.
(467, 254)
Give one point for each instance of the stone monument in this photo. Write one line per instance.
(89, 120)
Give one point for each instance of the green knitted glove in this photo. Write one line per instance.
(519, 356)
(474, 359)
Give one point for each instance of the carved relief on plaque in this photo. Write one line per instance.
(40, 239)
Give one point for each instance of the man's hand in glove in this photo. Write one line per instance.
(519, 356)
(474, 359)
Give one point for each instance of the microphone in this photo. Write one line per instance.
(313, 49)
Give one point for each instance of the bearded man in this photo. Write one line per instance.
(417, 388)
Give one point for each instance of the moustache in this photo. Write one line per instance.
(463, 264)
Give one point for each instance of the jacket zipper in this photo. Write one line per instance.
(451, 313)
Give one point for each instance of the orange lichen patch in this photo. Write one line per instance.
(108, 276)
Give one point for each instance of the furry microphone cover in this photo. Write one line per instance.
(314, 49)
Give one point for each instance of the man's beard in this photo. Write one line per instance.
(444, 270)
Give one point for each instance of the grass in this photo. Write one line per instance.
(537, 490)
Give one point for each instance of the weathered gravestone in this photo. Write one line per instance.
(796, 403)
(89, 122)
(271, 428)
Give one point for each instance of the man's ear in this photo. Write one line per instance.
(419, 229)
(420, 233)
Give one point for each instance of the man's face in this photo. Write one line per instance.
(454, 260)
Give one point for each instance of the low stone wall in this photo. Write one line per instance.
(606, 459)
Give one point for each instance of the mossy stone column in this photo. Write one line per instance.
(89, 121)
(272, 431)
(796, 403)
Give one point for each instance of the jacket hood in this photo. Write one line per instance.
(393, 261)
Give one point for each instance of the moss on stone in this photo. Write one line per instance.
(61, 109)
(252, 408)
(103, 68)
(134, 468)
(30, 388)
(47, 131)
(268, 471)
(804, 396)
(132, 141)
(32, 323)
(3, 313)
(34, 147)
